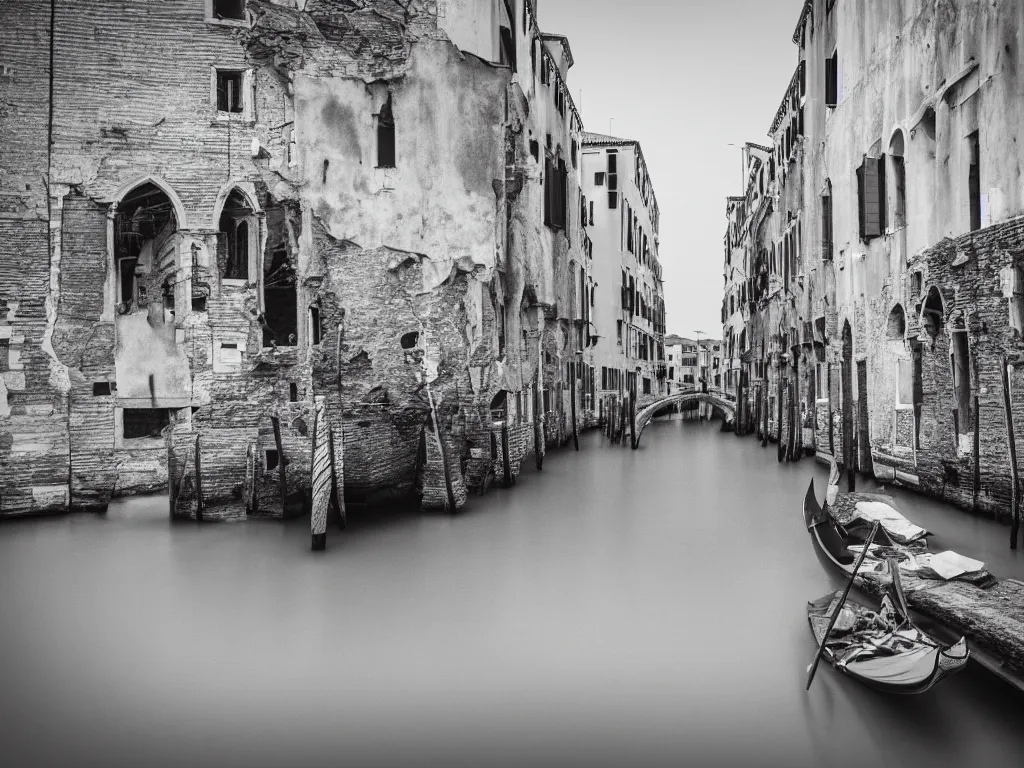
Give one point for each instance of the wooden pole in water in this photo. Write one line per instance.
(444, 453)
(339, 481)
(538, 424)
(977, 452)
(1011, 443)
(842, 601)
(572, 404)
(172, 490)
(766, 409)
(320, 475)
(282, 463)
(779, 448)
(199, 482)
(632, 417)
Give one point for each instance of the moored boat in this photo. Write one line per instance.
(884, 650)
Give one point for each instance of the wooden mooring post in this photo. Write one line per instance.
(199, 482)
(282, 464)
(1011, 444)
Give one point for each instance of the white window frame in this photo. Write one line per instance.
(248, 113)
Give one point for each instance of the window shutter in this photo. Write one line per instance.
(826, 227)
(830, 82)
(882, 197)
(869, 199)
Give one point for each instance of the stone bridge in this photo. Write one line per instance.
(718, 399)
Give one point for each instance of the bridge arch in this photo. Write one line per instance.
(719, 401)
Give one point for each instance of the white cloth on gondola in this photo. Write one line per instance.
(895, 524)
(947, 565)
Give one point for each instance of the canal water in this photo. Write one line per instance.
(619, 608)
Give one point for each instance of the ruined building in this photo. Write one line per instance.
(874, 299)
(215, 211)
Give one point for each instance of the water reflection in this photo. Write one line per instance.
(622, 607)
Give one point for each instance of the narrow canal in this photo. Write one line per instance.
(619, 608)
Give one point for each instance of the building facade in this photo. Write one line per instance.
(375, 204)
(884, 282)
(682, 361)
(628, 319)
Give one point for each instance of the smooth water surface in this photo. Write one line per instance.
(619, 608)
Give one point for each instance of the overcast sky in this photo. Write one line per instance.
(685, 78)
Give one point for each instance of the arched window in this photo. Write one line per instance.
(933, 312)
(826, 222)
(898, 181)
(233, 237)
(145, 230)
(896, 327)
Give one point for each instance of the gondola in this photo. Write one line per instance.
(884, 650)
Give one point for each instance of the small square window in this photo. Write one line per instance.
(229, 9)
(229, 90)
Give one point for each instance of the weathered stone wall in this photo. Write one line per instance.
(447, 248)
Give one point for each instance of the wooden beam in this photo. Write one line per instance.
(282, 464)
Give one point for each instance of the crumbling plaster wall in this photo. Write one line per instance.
(33, 395)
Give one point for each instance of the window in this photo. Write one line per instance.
(229, 9)
(870, 194)
(826, 222)
(974, 180)
(832, 80)
(507, 35)
(144, 422)
(671, 372)
(647, 386)
(233, 237)
(962, 381)
(613, 178)
(905, 384)
(316, 329)
(229, 91)
(554, 193)
(899, 181)
(99, 388)
(386, 136)
(293, 392)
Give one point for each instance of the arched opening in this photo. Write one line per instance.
(235, 232)
(898, 181)
(499, 407)
(896, 326)
(826, 222)
(933, 313)
(145, 232)
(928, 124)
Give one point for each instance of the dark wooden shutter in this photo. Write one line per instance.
(830, 82)
(882, 197)
(826, 227)
(869, 199)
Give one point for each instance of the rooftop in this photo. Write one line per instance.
(565, 45)
(602, 139)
